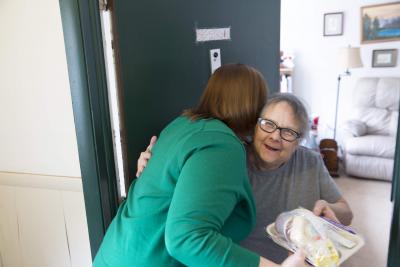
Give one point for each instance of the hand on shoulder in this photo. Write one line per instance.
(145, 156)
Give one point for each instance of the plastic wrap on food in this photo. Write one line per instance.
(326, 243)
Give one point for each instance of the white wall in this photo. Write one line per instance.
(42, 212)
(38, 134)
(316, 71)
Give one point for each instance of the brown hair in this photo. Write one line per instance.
(235, 94)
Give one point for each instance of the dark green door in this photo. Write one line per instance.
(163, 70)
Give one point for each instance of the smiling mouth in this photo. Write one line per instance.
(271, 148)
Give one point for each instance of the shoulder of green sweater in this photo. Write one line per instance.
(217, 131)
(210, 126)
(212, 133)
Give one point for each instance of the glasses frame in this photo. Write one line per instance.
(297, 134)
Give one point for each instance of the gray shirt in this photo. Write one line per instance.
(299, 182)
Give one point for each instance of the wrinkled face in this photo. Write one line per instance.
(270, 148)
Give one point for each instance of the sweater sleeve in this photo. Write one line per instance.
(209, 187)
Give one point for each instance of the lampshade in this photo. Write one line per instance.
(349, 58)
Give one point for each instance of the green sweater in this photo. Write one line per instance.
(190, 206)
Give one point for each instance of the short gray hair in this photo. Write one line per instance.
(298, 108)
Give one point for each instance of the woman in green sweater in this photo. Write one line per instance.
(193, 202)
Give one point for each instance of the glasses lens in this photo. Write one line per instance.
(267, 125)
(288, 134)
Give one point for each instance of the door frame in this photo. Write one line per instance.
(87, 76)
(86, 68)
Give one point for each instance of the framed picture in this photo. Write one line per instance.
(333, 24)
(384, 58)
(380, 23)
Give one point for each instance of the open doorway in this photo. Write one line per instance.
(86, 176)
(314, 78)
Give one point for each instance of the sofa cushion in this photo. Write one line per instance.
(377, 120)
(355, 127)
(369, 167)
(371, 145)
(364, 93)
(388, 93)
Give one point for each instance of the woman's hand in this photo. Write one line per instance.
(339, 211)
(322, 208)
(295, 260)
(145, 156)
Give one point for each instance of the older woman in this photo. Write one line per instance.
(193, 203)
(283, 174)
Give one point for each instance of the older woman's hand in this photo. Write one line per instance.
(322, 208)
(145, 156)
(339, 211)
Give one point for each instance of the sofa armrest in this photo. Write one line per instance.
(354, 128)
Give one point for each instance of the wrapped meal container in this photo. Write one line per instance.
(325, 242)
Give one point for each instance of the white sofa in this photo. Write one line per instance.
(370, 133)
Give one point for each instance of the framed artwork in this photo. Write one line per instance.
(380, 23)
(333, 24)
(384, 58)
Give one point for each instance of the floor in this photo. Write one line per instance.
(370, 202)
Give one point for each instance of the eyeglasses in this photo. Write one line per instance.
(286, 134)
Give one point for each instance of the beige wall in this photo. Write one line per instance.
(38, 134)
(42, 213)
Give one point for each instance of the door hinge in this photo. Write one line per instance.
(103, 5)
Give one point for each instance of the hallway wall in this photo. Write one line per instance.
(42, 212)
